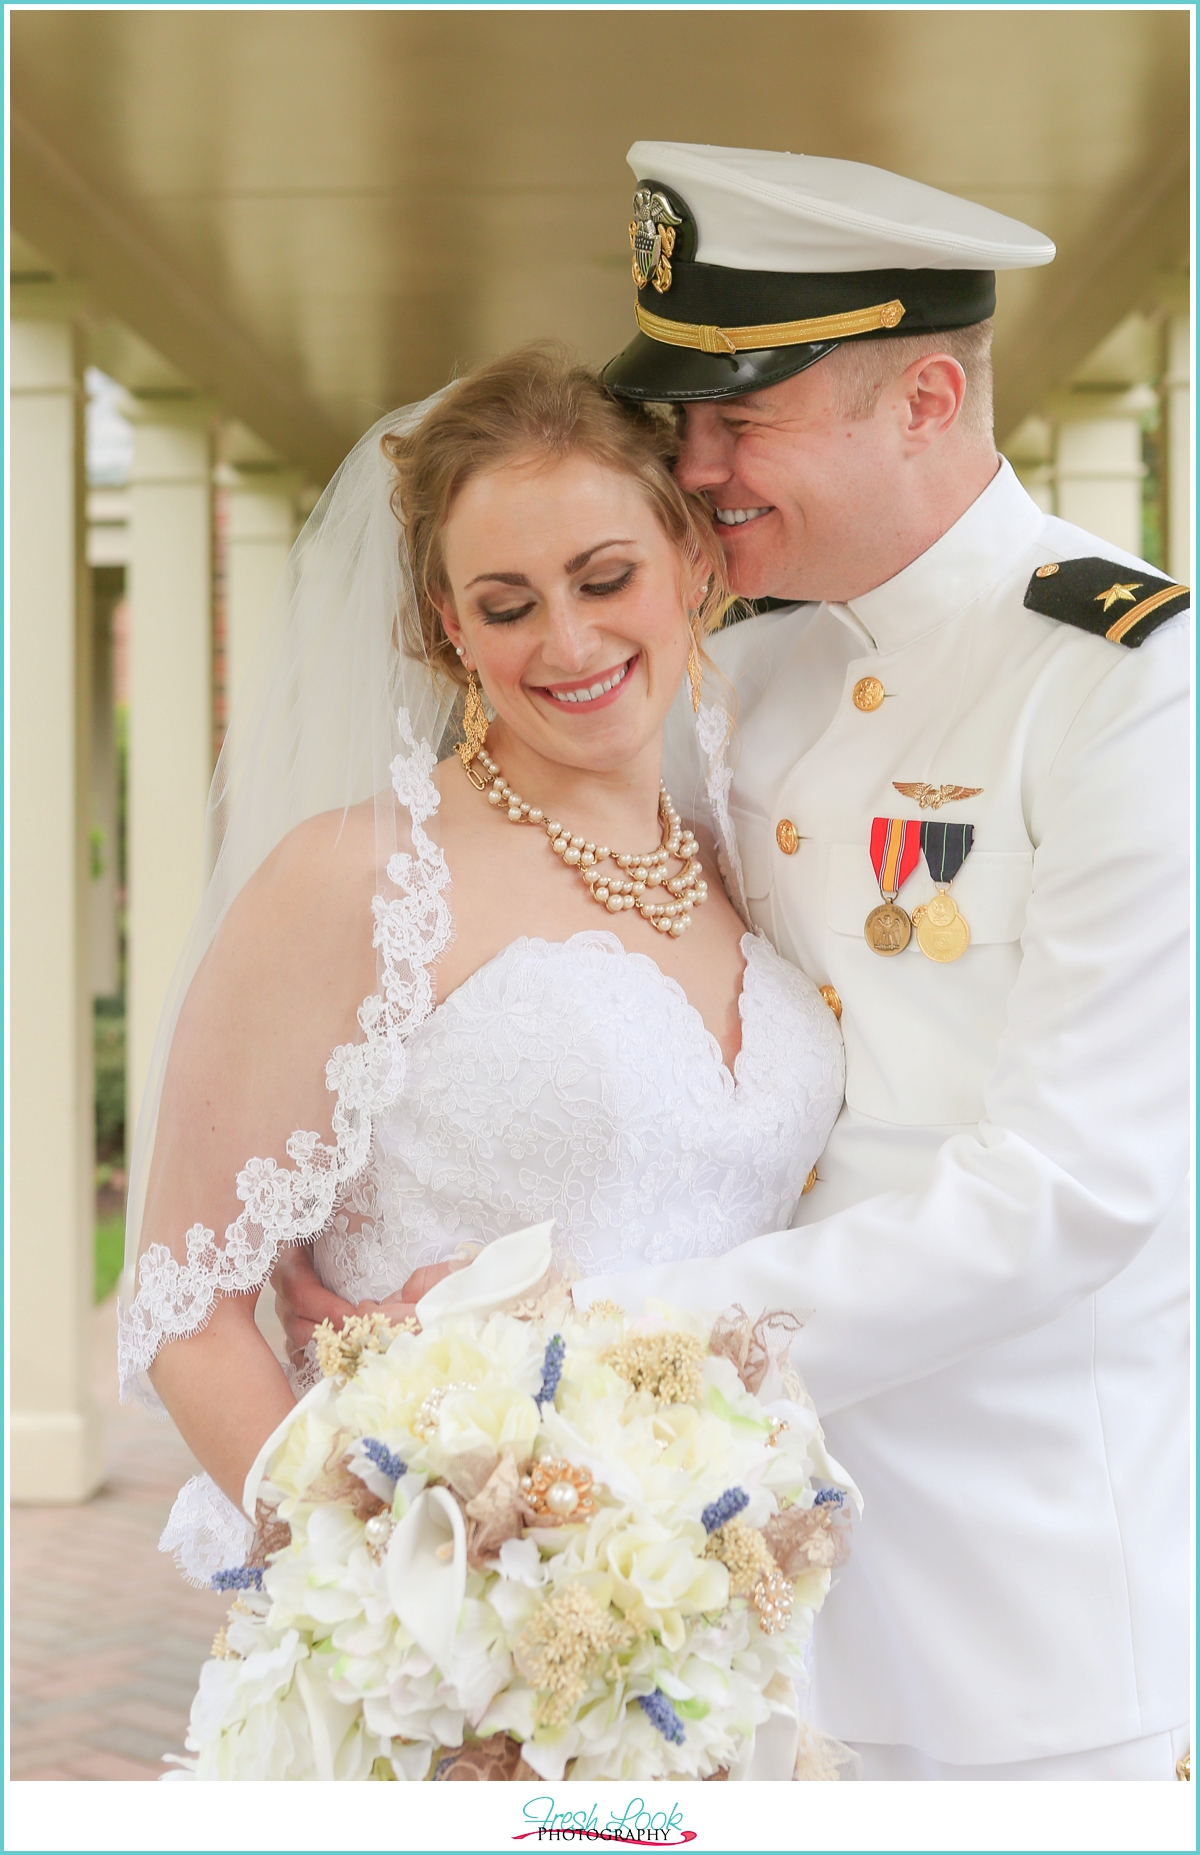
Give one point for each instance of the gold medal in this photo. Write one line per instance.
(940, 909)
(942, 940)
(887, 929)
(942, 934)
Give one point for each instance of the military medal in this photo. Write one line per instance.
(895, 848)
(942, 934)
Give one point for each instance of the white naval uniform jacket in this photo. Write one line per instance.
(995, 1255)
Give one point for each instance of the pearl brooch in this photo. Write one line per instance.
(638, 873)
(378, 1533)
(425, 1422)
(772, 1598)
(558, 1492)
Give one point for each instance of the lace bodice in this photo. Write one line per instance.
(573, 1081)
(569, 1081)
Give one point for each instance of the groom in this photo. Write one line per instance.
(961, 805)
(961, 801)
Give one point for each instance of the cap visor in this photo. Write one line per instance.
(655, 370)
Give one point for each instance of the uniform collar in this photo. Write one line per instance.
(967, 560)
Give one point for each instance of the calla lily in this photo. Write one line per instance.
(504, 1270)
(310, 1404)
(426, 1582)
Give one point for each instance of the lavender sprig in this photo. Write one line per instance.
(552, 1366)
(385, 1459)
(238, 1578)
(663, 1715)
(724, 1508)
(829, 1497)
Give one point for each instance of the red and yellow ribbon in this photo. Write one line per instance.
(895, 852)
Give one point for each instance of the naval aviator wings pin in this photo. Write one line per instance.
(932, 798)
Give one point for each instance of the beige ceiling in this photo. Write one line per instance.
(315, 215)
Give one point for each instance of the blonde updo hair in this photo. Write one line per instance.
(531, 404)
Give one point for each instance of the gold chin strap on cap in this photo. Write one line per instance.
(711, 340)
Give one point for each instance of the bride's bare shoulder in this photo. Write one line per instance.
(313, 889)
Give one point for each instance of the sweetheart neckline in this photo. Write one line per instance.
(733, 1079)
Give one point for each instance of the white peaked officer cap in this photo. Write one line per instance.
(751, 265)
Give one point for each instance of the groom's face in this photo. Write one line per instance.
(800, 491)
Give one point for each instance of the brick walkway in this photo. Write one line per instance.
(106, 1639)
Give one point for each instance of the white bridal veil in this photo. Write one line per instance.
(251, 1134)
(314, 732)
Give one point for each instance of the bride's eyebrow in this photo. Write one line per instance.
(581, 560)
(572, 566)
(505, 579)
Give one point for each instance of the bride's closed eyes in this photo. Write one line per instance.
(591, 589)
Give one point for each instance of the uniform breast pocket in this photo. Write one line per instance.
(921, 1037)
(754, 841)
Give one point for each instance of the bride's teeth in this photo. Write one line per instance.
(597, 689)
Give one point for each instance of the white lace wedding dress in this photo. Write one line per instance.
(566, 1080)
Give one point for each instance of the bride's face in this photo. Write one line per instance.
(569, 601)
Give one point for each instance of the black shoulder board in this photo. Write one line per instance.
(1123, 604)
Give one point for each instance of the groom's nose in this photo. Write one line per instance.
(705, 458)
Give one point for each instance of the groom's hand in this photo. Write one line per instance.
(302, 1300)
(422, 1280)
(402, 1306)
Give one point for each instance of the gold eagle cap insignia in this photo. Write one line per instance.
(932, 798)
(652, 239)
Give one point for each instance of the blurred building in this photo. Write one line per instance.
(263, 228)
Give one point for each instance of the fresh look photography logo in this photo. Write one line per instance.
(631, 1824)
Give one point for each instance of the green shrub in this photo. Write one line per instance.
(110, 1255)
(109, 1046)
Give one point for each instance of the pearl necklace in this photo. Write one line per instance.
(642, 871)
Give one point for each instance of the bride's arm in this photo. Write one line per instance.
(225, 1390)
(277, 991)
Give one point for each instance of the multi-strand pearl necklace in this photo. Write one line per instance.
(641, 871)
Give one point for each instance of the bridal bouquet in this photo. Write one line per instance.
(520, 1540)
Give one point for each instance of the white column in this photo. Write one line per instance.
(260, 527)
(54, 1426)
(1098, 467)
(107, 590)
(1177, 448)
(1030, 451)
(170, 707)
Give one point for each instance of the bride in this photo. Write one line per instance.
(437, 1000)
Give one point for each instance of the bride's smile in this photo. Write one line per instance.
(589, 695)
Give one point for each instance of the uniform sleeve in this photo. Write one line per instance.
(1085, 1137)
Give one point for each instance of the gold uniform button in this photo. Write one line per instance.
(1043, 573)
(787, 837)
(867, 694)
(809, 1182)
(829, 994)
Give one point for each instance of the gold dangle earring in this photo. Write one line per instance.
(475, 730)
(695, 669)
